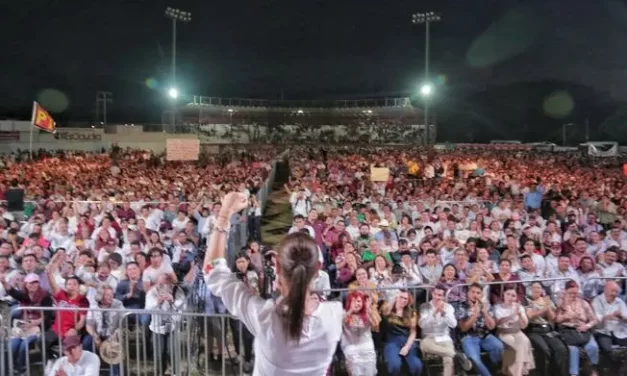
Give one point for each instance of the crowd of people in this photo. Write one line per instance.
(433, 238)
(415, 253)
(116, 230)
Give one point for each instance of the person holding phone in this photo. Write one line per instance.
(291, 337)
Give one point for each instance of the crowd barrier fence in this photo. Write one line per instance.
(503, 283)
(144, 349)
(346, 290)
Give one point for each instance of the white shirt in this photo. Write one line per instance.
(300, 206)
(602, 308)
(275, 354)
(87, 365)
(58, 240)
(179, 225)
(437, 326)
(151, 274)
(309, 229)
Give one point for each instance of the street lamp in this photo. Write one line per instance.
(426, 18)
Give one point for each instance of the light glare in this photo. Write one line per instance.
(426, 90)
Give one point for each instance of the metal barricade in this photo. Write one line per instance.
(4, 335)
(345, 290)
(502, 283)
(620, 280)
(150, 342)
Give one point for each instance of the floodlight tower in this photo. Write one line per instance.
(426, 90)
(176, 15)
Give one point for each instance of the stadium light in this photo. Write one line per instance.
(180, 16)
(426, 18)
(426, 90)
(173, 93)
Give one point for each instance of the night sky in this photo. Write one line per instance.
(307, 49)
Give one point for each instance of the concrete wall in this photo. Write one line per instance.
(85, 139)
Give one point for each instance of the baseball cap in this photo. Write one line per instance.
(71, 342)
(31, 277)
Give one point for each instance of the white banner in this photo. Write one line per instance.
(182, 149)
(603, 149)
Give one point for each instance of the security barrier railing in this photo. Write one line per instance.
(503, 283)
(141, 341)
(145, 342)
(415, 289)
(151, 342)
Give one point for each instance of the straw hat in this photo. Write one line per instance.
(111, 350)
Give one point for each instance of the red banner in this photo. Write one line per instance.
(42, 119)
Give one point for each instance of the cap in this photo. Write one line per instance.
(71, 342)
(31, 277)
(384, 223)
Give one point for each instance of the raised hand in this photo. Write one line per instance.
(234, 202)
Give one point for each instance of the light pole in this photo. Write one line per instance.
(175, 15)
(418, 19)
(102, 98)
(564, 126)
(230, 111)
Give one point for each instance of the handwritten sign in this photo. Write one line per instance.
(182, 149)
(379, 173)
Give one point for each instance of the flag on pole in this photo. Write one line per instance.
(42, 119)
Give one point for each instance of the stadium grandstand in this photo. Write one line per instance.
(386, 120)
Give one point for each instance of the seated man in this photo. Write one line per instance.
(475, 323)
(437, 318)
(612, 316)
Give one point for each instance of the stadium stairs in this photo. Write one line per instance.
(277, 216)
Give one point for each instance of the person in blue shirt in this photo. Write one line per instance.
(533, 198)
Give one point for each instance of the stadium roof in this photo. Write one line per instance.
(345, 103)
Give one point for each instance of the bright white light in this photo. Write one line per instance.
(300, 112)
(230, 110)
(173, 93)
(426, 90)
